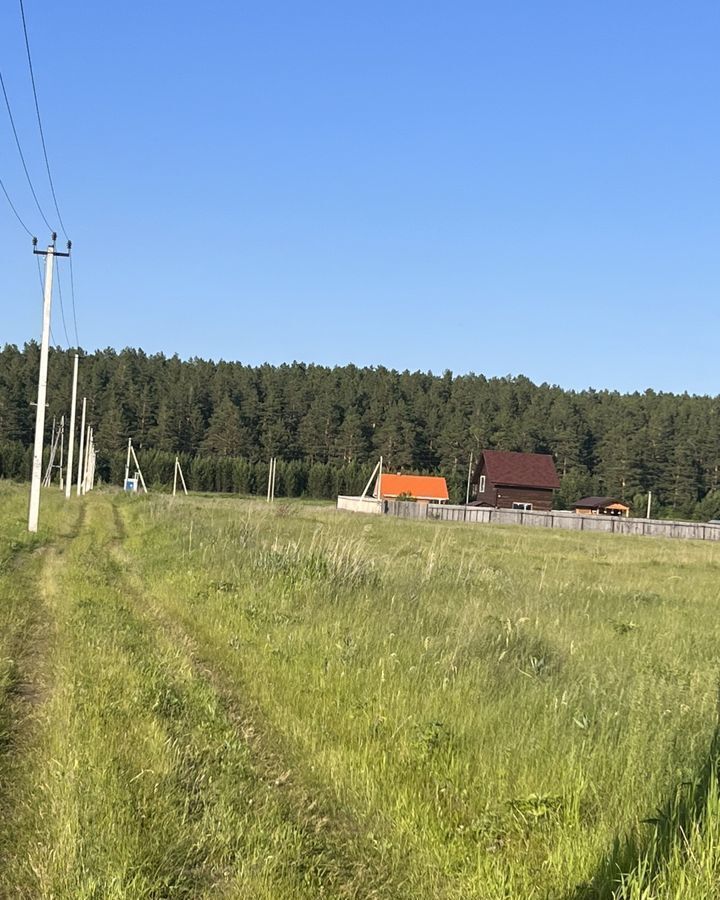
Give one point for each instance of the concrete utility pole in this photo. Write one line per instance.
(57, 441)
(81, 449)
(86, 462)
(49, 254)
(378, 468)
(62, 449)
(48, 472)
(647, 515)
(127, 464)
(71, 436)
(131, 449)
(178, 471)
(271, 481)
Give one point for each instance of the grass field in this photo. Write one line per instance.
(211, 698)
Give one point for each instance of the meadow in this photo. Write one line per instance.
(214, 698)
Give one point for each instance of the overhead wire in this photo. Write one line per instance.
(22, 155)
(40, 275)
(52, 186)
(72, 297)
(42, 294)
(60, 295)
(39, 120)
(12, 207)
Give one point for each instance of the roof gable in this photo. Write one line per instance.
(535, 470)
(421, 487)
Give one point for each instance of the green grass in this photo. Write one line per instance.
(239, 701)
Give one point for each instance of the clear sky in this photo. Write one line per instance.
(526, 187)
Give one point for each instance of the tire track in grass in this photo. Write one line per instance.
(140, 786)
(337, 856)
(26, 678)
(28, 625)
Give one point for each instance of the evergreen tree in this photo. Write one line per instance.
(340, 419)
(225, 436)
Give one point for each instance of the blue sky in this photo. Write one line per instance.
(493, 187)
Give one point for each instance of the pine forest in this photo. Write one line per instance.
(327, 427)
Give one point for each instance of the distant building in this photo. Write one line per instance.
(601, 506)
(508, 480)
(423, 488)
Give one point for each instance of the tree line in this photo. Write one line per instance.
(327, 426)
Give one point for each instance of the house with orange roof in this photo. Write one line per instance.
(422, 488)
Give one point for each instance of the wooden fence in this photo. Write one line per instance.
(478, 515)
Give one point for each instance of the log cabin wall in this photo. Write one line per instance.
(540, 498)
(488, 497)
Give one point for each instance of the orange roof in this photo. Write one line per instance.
(421, 487)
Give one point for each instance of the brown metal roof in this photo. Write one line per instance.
(598, 503)
(535, 470)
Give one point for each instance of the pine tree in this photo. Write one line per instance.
(225, 432)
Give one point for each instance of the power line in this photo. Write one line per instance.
(40, 276)
(39, 120)
(62, 306)
(22, 155)
(72, 296)
(12, 207)
(50, 179)
(42, 294)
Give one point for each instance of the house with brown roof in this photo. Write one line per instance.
(510, 480)
(423, 488)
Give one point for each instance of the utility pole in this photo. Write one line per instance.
(49, 254)
(375, 471)
(71, 440)
(62, 449)
(57, 441)
(90, 467)
(647, 515)
(48, 472)
(131, 449)
(48, 475)
(270, 478)
(86, 464)
(80, 451)
(127, 464)
(182, 477)
(467, 490)
(91, 473)
(178, 471)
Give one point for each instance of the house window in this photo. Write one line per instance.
(526, 507)
(481, 485)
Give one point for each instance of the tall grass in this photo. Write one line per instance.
(496, 706)
(242, 703)
(138, 782)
